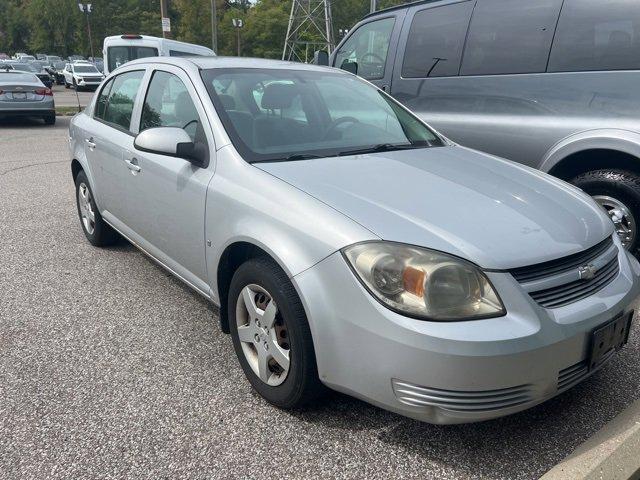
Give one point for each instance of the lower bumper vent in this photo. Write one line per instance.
(477, 401)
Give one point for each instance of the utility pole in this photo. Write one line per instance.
(238, 24)
(373, 6)
(164, 13)
(86, 9)
(214, 27)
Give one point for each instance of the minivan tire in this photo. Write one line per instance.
(620, 185)
(102, 235)
(301, 385)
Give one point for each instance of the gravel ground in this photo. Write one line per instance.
(110, 368)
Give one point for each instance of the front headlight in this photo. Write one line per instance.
(424, 283)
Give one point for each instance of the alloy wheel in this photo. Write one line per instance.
(86, 209)
(263, 335)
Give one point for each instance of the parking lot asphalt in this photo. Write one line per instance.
(110, 368)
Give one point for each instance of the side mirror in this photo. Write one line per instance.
(171, 141)
(321, 57)
(351, 67)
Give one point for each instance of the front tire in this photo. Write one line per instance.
(271, 335)
(618, 191)
(97, 231)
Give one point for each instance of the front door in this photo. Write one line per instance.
(167, 194)
(369, 51)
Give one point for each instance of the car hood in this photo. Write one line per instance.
(491, 211)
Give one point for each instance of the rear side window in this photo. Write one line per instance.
(368, 47)
(509, 36)
(122, 96)
(597, 35)
(179, 53)
(101, 103)
(435, 41)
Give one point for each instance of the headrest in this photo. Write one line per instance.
(228, 102)
(278, 95)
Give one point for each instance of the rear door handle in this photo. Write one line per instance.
(90, 143)
(132, 164)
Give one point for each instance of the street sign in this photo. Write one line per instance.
(166, 24)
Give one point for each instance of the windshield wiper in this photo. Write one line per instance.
(384, 147)
(291, 158)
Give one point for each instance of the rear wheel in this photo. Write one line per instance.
(49, 119)
(271, 335)
(97, 231)
(66, 84)
(618, 192)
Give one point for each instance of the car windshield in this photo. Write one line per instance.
(25, 67)
(281, 114)
(85, 69)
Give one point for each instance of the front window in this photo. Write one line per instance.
(294, 114)
(85, 69)
(118, 56)
(367, 48)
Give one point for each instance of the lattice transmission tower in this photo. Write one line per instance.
(310, 29)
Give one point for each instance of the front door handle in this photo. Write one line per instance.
(132, 164)
(90, 143)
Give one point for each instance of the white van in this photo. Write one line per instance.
(120, 49)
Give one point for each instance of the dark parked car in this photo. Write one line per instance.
(552, 84)
(56, 70)
(42, 74)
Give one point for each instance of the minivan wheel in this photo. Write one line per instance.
(97, 231)
(271, 335)
(618, 192)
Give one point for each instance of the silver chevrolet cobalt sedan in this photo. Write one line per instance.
(347, 243)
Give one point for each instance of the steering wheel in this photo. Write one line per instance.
(376, 58)
(337, 122)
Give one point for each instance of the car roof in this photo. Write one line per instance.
(399, 7)
(202, 62)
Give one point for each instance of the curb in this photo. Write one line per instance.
(612, 453)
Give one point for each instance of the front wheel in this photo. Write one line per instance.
(271, 335)
(618, 192)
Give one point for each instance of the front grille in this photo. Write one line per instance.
(554, 267)
(475, 401)
(572, 292)
(557, 283)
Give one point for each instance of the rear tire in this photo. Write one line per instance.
(49, 119)
(97, 231)
(66, 85)
(618, 191)
(264, 281)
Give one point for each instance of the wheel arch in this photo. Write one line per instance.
(593, 150)
(234, 255)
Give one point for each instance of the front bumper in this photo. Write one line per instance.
(454, 372)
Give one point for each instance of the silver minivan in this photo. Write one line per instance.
(552, 84)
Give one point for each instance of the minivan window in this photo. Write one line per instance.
(169, 104)
(435, 41)
(507, 36)
(597, 35)
(179, 53)
(121, 99)
(118, 56)
(368, 47)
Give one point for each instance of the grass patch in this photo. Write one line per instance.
(66, 111)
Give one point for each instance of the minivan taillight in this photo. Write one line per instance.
(43, 91)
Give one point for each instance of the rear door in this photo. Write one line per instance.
(167, 194)
(108, 137)
(371, 46)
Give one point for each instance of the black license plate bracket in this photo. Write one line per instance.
(608, 337)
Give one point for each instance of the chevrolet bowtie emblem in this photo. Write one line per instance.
(586, 272)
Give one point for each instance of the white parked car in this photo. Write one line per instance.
(82, 75)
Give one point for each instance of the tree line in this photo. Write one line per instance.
(59, 27)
